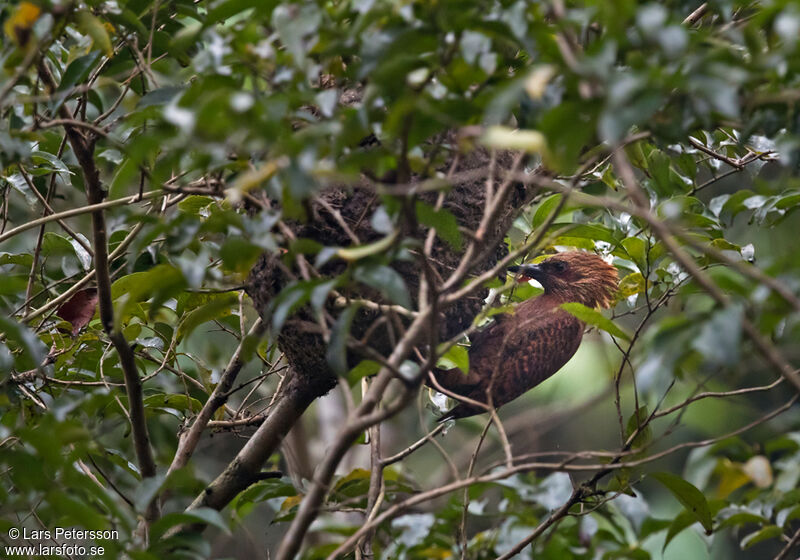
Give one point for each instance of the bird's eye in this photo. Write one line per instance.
(559, 266)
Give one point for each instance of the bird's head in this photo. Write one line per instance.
(573, 276)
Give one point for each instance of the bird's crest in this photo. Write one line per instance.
(576, 276)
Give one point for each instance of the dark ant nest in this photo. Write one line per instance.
(300, 338)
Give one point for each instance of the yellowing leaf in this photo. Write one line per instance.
(511, 139)
(18, 26)
(731, 477)
(355, 474)
(436, 552)
(630, 285)
(759, 470)
(291, 501)
(89, 24)
(362, 251)
(250, 180)
(537, 80)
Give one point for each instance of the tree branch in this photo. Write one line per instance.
(767, 350)
(245, 467)
(362, 418)
(90, 208)
(189, 439)
(84, 152)
(564, 465)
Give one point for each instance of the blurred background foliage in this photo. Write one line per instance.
(213, 124)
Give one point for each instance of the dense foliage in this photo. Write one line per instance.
(153, 153)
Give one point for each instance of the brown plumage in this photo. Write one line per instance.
(520, 350)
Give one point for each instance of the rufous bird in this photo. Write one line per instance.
(520, 350)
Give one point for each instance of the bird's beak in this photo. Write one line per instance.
(528, 271)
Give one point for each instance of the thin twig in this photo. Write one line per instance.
(696, 15)
(88, 209)
(84, 153)
(767, 350)
(190, 438)
(48, 209)
(501, 474)
(399, 456)
(784, 553)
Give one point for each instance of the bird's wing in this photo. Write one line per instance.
(527, 353)
(462, 383)
(513, 357)
(543, 344)
(457, 381)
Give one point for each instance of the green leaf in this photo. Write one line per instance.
(766, 533)
(662, 173)
(94, 28)
(456, 357)
(681, 521)
(42, 159)
(24, 260)
(160, 283)
(175, 401)
(720, 336)
(20, 336)
(363, 251)
(220, 305)
(385, 280)
(67, 505)
(147, 490)
(55, 245)
(123, 178)
(742, 518)
(786, 201)
(260, 492)
(687, 494)
(184, 39)
(566, 143)
(127, 18)
(354, 484)
(621, 482)
(239, 254)
(289, 300)
(160, 96)
(593, 232)
(637, 251)
(636, 421)
(651, 525)
(193, 204)
(78, 70)
(319, 294)
(545, 209)
(14, 284)
(229, 8)
(205, 516)
(443, 221)
(594, 318)
(365, 368)
(336, 354)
